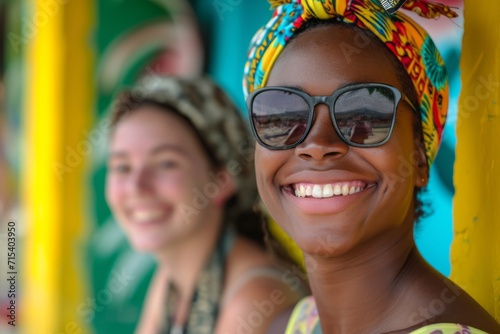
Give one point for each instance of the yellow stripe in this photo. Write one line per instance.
(58, 107)
(340, 7)
(42, 123)
(476, 246)
(316, 9)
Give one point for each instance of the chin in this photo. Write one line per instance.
(323, 245)
(147, 246)
(318, 240)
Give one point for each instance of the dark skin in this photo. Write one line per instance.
(364, 269)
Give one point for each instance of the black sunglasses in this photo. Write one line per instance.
(363, 115)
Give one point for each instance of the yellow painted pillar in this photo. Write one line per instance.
(476, 246)
(57, 110)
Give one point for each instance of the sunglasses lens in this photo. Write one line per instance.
(279, 117)
(365, 116)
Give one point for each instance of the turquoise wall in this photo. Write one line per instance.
(228, 27)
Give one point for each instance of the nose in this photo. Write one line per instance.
(322, 141)
(139, 182)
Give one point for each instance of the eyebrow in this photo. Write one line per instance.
(157, 150)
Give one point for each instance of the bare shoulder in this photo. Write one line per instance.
(451, 304)
(244, 255)
(253, 268)
(462, 308)
(253, 298)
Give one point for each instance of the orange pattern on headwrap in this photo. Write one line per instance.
(408, 41)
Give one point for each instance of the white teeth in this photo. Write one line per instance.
(302, 191)
(352, 190)
(345, 190)
(145, 216)
(309, 191)
(317, 192)
(337, 190)
(328, 190)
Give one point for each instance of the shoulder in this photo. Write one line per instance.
(448, 305)
(468, 311)
(447, 329)
(255, 292)
(247, 261)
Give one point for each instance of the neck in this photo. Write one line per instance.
(368, 282)
(182, 261)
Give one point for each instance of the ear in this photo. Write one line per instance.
(226, 185)
(421, 165)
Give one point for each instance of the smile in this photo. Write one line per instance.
(328, 190)
(146, 216)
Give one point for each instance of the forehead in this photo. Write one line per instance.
(150, 126)
(325, 58)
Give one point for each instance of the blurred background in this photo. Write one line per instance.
(62, 61)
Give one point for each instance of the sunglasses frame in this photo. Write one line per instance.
(313, 101)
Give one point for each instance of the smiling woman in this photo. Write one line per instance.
(181, 185)
(341, 176)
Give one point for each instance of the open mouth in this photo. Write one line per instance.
(327, 190)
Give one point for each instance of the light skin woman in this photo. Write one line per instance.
(365, 272)
(169, 195)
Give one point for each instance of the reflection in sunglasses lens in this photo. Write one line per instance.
(280, 117)
(364, 116)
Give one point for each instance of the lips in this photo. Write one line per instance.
(327, 190)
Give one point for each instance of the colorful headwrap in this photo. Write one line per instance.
(408, 41)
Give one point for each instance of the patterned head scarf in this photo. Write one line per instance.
(216, 119)
(408, 41)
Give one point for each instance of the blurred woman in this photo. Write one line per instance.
(181, 184)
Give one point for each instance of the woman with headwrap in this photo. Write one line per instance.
(181, 184)
(348, 104)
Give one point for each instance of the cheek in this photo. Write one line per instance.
(269, 167)
(114, 191)
(399, 177)
(398, 166)
(175, 186)
(401, 154)
(265, 170)
(190, 187)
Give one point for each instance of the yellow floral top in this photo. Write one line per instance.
(305, 320)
